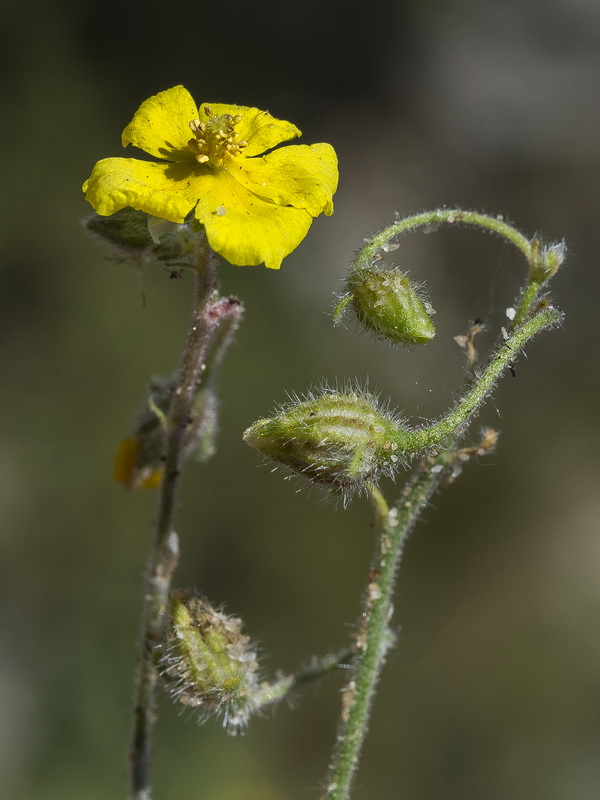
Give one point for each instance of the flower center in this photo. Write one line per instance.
(215, 141)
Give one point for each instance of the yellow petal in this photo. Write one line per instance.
(245, 229)
(258, 128)
(303, 176)
(127, 470)
(168, 191)
(160, 126)
(125, 460)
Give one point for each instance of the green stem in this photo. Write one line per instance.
(538, 277)
(374, 637)
(528, 299)
(163, 556)
(422, 438)
(274, 692)
(450, 216)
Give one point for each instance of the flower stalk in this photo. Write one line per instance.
(163, 557)
(269, 693)
(374, 637)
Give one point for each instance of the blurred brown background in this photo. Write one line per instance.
(494, 689)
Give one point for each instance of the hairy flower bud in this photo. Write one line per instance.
(553, 258)
(387, 303)
(208, 663)
(338, 440)
(126, 230)
(135, 235)
(139, 462)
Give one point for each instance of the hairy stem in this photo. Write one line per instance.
(449, 216)
(276, 691)
(374, 637)
(539, 272)
(163, 556)
(485, 383)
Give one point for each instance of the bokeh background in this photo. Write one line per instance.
(494, 688)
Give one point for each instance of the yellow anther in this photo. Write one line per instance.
(215, 139)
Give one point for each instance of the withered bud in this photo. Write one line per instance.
(207, 662)
(139, 462)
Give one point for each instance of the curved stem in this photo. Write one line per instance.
(450, 216)
(540, 271)
(484, 384)
(163, 556)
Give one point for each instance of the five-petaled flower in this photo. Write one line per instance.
(254, 205)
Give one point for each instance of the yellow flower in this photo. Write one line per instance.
(254, 207)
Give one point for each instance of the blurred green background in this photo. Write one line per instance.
(494, 689)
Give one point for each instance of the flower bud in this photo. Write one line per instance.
(139, 462)
(125, 230)
(338, 440)
(553, 257)
(208, 663)
(133, 234)
(387, 303)
(176, 246)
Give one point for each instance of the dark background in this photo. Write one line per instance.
(494, 690)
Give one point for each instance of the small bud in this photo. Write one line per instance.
(546, 260)
(135, 235)
(338, 440)
(176, 246)
(125, 230)
(208, 663)
(387, 303)
(553, 257)
(139, 462)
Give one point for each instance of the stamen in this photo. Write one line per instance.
(215, 140)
